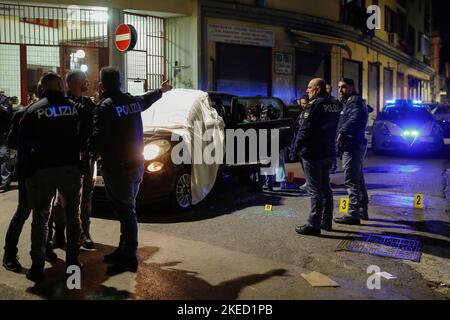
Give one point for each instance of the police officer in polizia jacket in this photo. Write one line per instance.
(23, 211)
(351, 140)
(118, 140)
(316, 142)
(77, 84)
(51, 136)
(6, 114)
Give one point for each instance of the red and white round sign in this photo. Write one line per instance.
(126, 37)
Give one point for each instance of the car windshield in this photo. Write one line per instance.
(406, 113)
(442, 110)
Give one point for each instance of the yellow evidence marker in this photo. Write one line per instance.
(343, 205)
(418, 200)
(268, 207)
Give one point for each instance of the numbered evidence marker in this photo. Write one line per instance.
(418, 200)
(268, 207)
(343, 205)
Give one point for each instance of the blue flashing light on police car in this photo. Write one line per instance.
(406, 125)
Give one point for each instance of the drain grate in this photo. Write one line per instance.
(381, 245)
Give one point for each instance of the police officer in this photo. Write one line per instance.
(77, 84)
(23, 211)
(353, 144)
(118, 139)
(51, 136)
(316, 142)
(6, 114)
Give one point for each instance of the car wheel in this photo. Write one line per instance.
(181, 197)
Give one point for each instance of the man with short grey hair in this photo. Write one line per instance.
(316, 143)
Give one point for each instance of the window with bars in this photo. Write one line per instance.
(39, 25)
(146, 63)
(10, 69)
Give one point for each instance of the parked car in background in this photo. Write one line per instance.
(442, 115)
(405, 125)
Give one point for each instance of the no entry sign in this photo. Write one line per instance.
(126, 37)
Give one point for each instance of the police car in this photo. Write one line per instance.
(406, 125)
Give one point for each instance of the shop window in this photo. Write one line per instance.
(308, 66)
(388, 84)
(374, 86)
(243, 70)
(353, 70)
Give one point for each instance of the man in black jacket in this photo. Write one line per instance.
(77, 84)
(118, 139)
(6, 114)
(353, 144)
(51, 136)
(316, 142)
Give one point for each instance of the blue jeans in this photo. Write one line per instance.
(5, 165)
(122, 187)
(354, 180)
(317, 174)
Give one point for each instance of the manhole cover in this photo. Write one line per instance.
(381, 245)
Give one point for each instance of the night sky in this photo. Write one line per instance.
(441, 23)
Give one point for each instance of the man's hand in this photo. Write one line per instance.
(338, 139)
(165, 86)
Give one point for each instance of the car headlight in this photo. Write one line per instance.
(155, 149)
(410, 133)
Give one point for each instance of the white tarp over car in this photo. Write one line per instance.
(184, 112)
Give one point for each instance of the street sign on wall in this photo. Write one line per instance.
(241, 35)
(126, 37)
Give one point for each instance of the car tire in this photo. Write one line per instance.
(180, 200)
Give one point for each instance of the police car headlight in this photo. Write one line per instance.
(155, 149)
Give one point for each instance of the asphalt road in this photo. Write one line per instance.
(229, 247)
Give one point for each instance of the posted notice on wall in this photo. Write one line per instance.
(241, 35)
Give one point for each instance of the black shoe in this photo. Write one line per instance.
(86, 241)
(113, 257)
(5, 187)
(326, 228)
(36, 274)
(123, 265)
(307, 230)
(11, 263)
(58, 240)
(347, 220)
(364, 216)
(50, 255)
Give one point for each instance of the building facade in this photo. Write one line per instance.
(246, 47)
(276, 47)
(38, 36)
